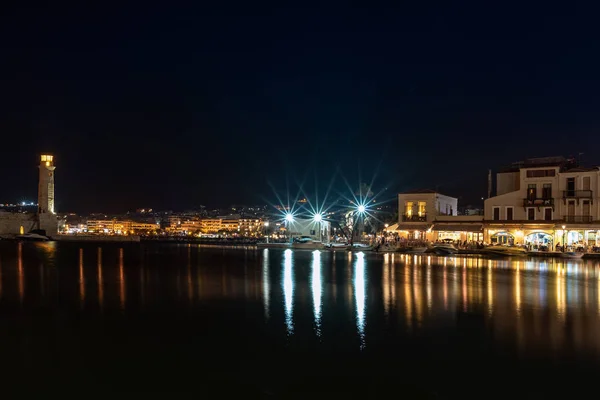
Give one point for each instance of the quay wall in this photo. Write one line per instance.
(11, 223)
(95, 238)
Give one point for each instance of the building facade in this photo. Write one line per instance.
(544, 202)
(418, 210)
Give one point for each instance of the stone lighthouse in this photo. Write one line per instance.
(46, 185)
(46, 212)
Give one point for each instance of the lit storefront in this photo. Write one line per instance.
(468, 232)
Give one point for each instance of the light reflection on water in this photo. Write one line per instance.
(266, 286)
(546, 302)
(317, 289)
(288, 290)
(360, 295)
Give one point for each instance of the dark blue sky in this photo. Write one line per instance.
(170, 107)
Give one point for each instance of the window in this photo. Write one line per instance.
(547, 191)
(570, 187)
(531, 191)
(586, 207)
(509, 213)
(408, 208)
(496, 213)
(586, 183)
(531, 214)
(547, 214)
(44, 158)
(422, 208)
(540, 173)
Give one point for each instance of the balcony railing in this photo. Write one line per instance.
(538, 202)
(414, 218)
(577, 194)
(578, 218)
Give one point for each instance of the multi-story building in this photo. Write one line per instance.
(544, 201)
(250, 226)
(418, 210)
(121, 227)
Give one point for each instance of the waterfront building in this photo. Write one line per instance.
(121, 227)
(545, 202)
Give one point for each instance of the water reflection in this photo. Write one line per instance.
(100, 281)
(81, 279)
(121, 280)
(288, 290)
(266, 283)
(528, 303)
(317, 290)
(21, 278)
(360, 296)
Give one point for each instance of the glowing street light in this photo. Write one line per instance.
(318, 217)
(289, 217)
(361, 208)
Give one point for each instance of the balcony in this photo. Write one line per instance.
(414, 218)
(578, 219)
(577, 194)
(545, 202)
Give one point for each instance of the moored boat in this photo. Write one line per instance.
(307, 242)
(444, 249)
(505, 251)
(416, 250)
(571, 254)
(360, 247)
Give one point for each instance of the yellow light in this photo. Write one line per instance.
(47, 163)
(44, 158)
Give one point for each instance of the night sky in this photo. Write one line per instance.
(165, 107)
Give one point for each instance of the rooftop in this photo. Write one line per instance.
(566, 164)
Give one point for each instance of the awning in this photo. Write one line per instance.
(458, 227)
(391, 228)
(413, 227)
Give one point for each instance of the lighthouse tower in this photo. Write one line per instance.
(46, 185)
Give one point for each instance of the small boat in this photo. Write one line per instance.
(33, 237)
(444, 249)
(571, 254)
(306, 242)
(504, 251)
(359, 247)
(416, 250)
(335, 246)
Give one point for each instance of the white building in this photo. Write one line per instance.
(418, 210)
(536, 198)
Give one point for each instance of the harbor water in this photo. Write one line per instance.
(87, 318)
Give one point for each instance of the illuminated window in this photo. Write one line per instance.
(44, 158)
(408, 208)
(50, 158)
(47, 163)
(422, 208)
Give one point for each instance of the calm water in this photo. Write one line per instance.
(282, 324)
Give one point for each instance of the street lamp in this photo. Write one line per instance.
(289, 217)
(318, 218)
(361, 208)
(266, 224)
